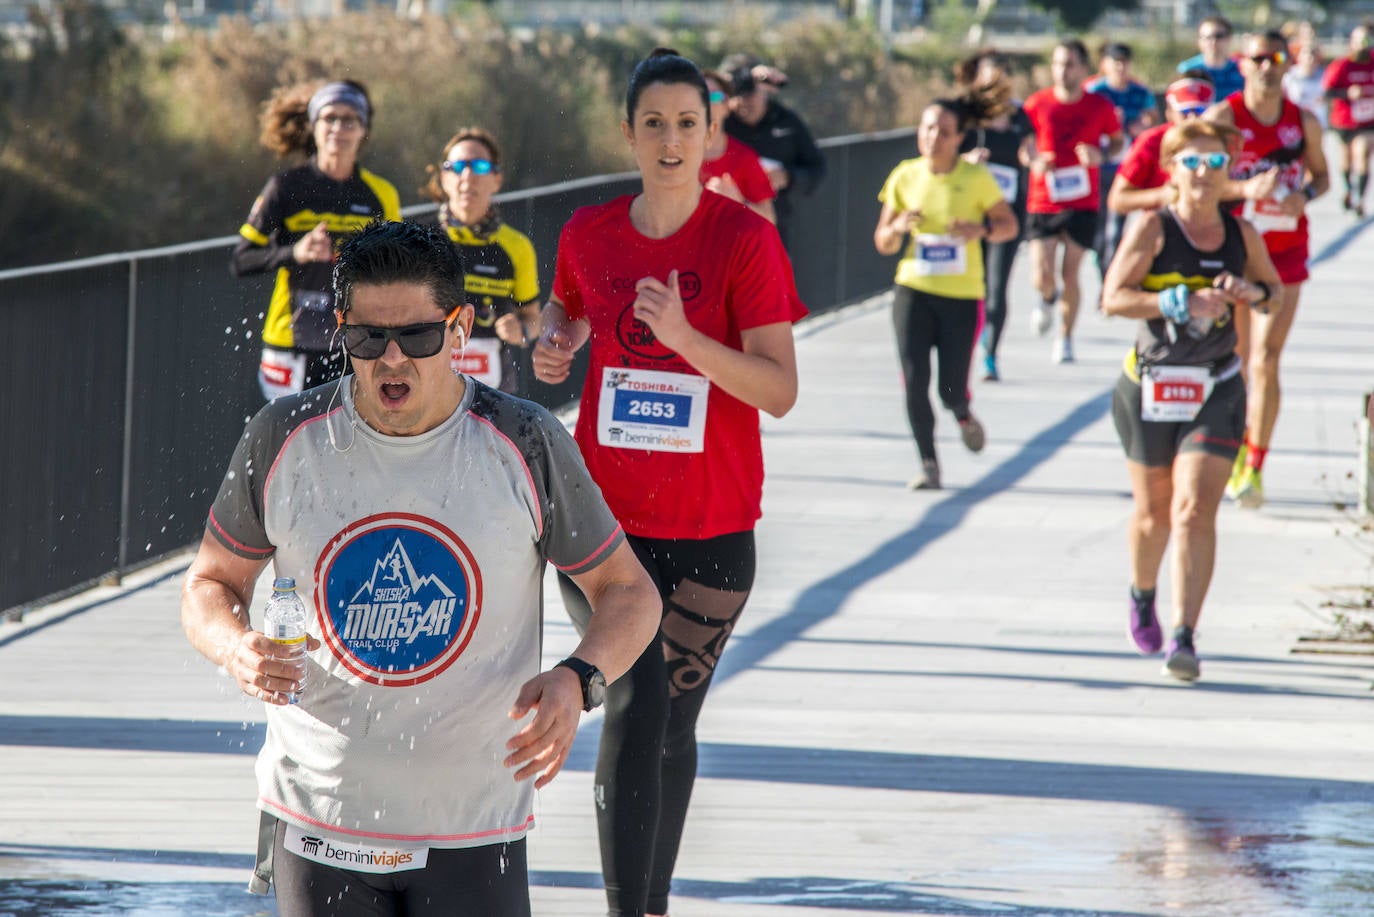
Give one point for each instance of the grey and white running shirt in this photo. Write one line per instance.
(421, 559)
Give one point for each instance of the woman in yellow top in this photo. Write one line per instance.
(502, 273)
(301, 218)
(936, 210)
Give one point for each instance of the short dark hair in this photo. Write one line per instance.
(664, 65)
(1219, 21)
(385, 252)
(1076, 46)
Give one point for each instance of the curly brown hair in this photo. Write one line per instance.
(285, 122)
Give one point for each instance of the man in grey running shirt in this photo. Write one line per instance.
(416, 510)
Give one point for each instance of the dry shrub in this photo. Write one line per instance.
(172, 120)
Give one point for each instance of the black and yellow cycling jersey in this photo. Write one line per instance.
(300, 314)
(1180, 262)
(502, 274)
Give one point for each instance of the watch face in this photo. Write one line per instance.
(596, 689)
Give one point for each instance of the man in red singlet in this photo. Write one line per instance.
(1064, 156)
(1279, 170)
(1349, 84)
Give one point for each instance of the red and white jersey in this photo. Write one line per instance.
(675, 456)
(1347, 113)
(1059, 128)
(1264, 147)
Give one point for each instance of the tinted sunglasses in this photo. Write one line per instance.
(716, 96)
(1215, 36)
(478, 166)
(1192, 111)
(1277, 58)
(369, 342)
(1214, 161)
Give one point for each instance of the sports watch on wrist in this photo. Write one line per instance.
(593, 682)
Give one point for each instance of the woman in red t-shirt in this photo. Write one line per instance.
(687, 300)
(730, 167)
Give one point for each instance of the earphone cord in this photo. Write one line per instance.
(338, 392)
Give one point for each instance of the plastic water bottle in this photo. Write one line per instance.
(284, 623)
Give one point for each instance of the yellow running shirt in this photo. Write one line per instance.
(934, 262)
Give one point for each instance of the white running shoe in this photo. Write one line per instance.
(1042, 317)
(1063, 350)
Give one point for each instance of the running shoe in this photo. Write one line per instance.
(990, 373)
(1237, 469)
(1144, 626)
(1250, 489)
(1042, 317)
(1182, 662)
(928, 479)
(1346, 205)
(972, 433)
(1063, 350)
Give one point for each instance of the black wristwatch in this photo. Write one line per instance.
(593, 682)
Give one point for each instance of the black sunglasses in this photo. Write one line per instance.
(369, 342)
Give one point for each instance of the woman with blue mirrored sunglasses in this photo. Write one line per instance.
(502, 273)
(1187, 271)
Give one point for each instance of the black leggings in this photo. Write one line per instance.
(648, 759)
(923, 321)
(998, 258)
(488, 881)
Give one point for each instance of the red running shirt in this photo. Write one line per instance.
(1346, 113)
(1059, 127)
(733, 275)
(1263, 147)
(742, 164)
(1142, 167)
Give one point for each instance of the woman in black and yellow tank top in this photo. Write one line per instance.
(1179, 407)
(298, 222)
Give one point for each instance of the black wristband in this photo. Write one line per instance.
(1309, 191)
(1268, 293)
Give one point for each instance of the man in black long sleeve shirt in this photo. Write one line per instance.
(783, 141)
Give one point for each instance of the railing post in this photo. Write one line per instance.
(127, 451)
(1367, 455)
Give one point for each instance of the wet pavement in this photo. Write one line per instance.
(930, 706)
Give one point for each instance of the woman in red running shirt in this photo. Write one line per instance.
(687, 300)
(730, 167)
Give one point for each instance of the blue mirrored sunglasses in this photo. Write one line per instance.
(1214, 161)
(478, 166)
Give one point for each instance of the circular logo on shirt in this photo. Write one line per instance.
(399, 597)
(638, 338)
(689, 285)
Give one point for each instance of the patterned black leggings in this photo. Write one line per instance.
(648, 759)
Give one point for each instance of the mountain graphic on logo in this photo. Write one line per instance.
(396, 572)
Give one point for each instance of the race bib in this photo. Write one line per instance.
(938, 255)
(359, 857)
(1173, 394)
(281, 372)
(1008, 181)
(648, 409)
(481, 359)
(1362, 109)
(1070, 183)
(1268, 216)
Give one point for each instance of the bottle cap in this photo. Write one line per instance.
(284, 584)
